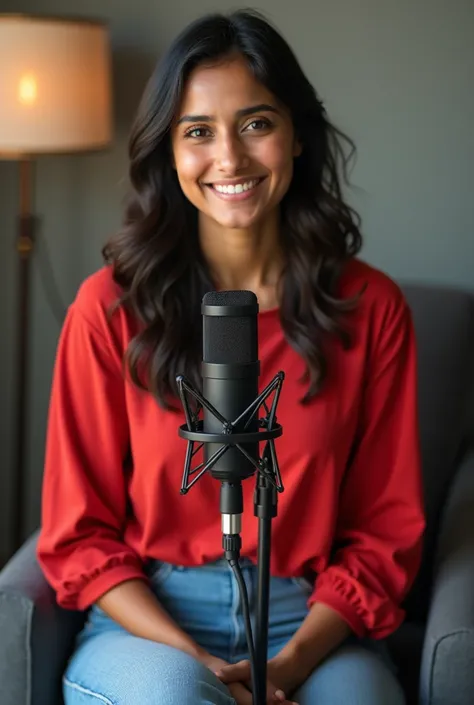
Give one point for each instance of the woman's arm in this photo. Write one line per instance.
(81, 547)
(322, 631)
(84, 494)
(133, 605)
(380, 525)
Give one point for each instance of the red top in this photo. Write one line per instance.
(351, 513)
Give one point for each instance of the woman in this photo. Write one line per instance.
(235, 180)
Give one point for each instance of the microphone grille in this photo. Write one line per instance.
(230, 339)
(230, 298)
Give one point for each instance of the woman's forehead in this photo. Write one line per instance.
(226, 88)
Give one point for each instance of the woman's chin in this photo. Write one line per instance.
(235, 220)
(237, 225)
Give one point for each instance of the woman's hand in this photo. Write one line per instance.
(240, 673)
(241, 694)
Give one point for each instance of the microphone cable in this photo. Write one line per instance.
(237, 570)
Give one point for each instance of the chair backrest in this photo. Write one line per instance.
(444, 325)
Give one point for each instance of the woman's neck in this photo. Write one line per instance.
(244, 259)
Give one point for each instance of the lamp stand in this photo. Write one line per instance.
(24, 246)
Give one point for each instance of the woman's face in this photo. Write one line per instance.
(233, 145)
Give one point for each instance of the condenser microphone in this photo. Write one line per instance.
(230, 372)
(231, 432)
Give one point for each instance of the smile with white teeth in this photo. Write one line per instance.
(238, 188)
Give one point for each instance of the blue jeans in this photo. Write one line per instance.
(111, 667)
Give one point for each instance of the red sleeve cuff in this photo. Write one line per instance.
(111, 577)
(333, 600)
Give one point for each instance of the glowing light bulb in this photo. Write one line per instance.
(27, 90)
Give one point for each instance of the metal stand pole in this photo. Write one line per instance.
(24, 247)
(265, 510)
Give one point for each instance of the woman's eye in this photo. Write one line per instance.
(197, 132)
(258, 124)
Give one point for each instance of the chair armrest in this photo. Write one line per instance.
(447, 673)
(36, 635)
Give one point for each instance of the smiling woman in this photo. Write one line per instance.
(227, 155)
(232, 159)
(236, 183)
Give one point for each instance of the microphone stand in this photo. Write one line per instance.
(268, 484)
(265, 510)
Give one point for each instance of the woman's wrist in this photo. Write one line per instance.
(288, 671)
(213, 663)
(321, 632)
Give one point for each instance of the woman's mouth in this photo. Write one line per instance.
(236, 191)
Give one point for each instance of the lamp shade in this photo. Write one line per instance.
(55, 85)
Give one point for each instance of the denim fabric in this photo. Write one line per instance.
(112, 667)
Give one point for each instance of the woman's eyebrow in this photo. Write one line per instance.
(243, 112)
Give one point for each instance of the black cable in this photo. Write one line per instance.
(235, 565)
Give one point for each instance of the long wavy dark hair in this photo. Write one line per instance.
(156, 257)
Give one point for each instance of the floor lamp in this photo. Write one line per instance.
(55, 97)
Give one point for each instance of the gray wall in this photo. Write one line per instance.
(396, 75)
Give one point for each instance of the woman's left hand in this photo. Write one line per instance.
(241, 673)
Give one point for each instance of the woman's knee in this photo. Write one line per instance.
(136, 672)
(352, 675)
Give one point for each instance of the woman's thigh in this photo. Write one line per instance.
(352, 675)
(116, 668)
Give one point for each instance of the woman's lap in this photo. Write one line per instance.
(119, 669)
(112, 667)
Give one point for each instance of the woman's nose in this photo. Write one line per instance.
(231, 155)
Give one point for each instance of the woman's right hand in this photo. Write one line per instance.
(239, 691)
(243, 696)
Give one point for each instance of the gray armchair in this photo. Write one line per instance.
(434, 648)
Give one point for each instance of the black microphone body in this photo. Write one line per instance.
(230, 372)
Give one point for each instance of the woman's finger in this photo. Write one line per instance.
(241, 673)
(240, 693)
(235, 672)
